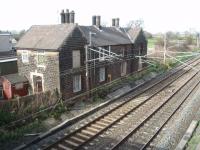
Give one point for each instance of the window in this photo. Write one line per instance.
(76, 83)
(41, 58)
(101, 54)
(76, 58)
(123, 53)
(25, 56)
(102, 74)
(123, 68)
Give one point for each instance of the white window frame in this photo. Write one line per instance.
(25, 56)
(102, 74)
(76, 61)
(37, 74)
(39, 53)
(123, 68)
(77, 83)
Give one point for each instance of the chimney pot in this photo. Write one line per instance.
(71, 16)
(113, 22)
(98, 21)
(117, 22)
(67, 16)
(94, 20)
(62, 14)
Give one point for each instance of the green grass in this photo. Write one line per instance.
(193, 142)
(7, 135)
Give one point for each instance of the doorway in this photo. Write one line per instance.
(37, 82)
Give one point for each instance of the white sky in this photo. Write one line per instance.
(158, 15)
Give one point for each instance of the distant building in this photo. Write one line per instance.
(53, 56)
(8, 59)
(8, 63)
(6, 40)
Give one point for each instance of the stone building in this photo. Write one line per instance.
(53, 56)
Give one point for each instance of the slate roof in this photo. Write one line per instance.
(106, 35)
(15, 78)
(49, 37)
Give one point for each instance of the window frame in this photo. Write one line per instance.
(41, 53)
(75, 89)
(102, 77)
(25, 56)
(123, 68)
(73, 60)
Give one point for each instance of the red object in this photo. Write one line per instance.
(12, 88)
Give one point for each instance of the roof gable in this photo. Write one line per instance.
(45, 36)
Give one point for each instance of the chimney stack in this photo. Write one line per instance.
(98, 21)
(62, 14)
(71, 17)
(67, 16)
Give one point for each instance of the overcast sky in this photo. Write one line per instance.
(158, 15)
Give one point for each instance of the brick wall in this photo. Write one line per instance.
(75, 42)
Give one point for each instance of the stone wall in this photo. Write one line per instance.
(49, 73)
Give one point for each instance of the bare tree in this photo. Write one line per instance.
(135, 23)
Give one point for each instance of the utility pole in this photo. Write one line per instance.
(86, 69)
(165, 48)
(197, 40)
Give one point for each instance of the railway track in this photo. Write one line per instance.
(143, 134)
(80, 137)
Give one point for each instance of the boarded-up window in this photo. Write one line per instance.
(76, 58)
(41, 58)
(25, 56)
(102, 74)
(123, 68)
(76, 83)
